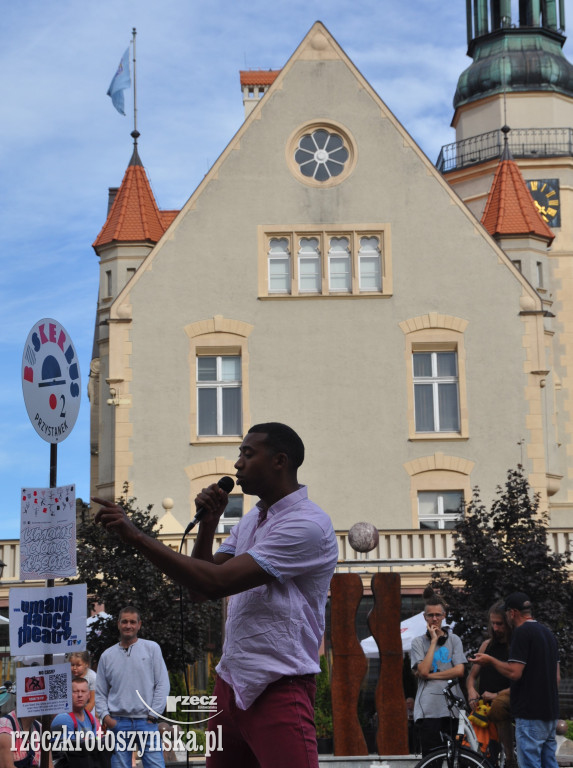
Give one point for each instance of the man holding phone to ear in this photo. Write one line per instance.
(436, 657)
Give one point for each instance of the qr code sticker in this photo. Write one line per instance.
(58, 687)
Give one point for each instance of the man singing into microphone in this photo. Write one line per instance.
(277, 563)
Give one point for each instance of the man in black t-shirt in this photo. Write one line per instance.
(533, 668)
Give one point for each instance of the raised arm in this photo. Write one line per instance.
(423, 668)
(209, 579)
(213, 500)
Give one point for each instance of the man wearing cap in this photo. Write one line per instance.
(533, 669)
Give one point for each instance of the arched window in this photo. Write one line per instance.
(440, 488)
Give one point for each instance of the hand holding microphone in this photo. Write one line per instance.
(209, 503)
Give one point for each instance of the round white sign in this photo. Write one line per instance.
(51, 380)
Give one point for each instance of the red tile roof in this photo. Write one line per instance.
(134, 215)
(510, 209)
(258, 76)
(167, 217)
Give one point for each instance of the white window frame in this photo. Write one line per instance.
(362, 256)
(440, 517)
(435, 380)
(277, 256)
(219, 385)
(340, 255)
(310, 256)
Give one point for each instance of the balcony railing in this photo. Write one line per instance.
(523, 143)
(401, 550)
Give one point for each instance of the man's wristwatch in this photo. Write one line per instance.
(153, 720)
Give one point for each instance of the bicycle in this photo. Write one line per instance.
(454, 753)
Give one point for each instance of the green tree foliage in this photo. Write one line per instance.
(323, 702)
(186, 720)
(502, 550)
(117, 575)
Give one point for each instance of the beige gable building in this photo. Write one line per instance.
(325, 274)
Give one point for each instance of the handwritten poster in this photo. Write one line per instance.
(48, 533)
(47, 619)
(43, 690)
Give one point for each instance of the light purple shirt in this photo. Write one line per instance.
(276, 629)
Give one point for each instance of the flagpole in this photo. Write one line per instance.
(135, 132)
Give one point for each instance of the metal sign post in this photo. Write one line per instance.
(51, 385)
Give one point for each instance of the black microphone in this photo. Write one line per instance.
(225, 484)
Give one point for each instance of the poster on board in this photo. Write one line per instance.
(47, 619)
(48, 533)
(43, 690)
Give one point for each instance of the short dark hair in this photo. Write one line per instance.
(432, 598)
(282, 439)
(433, 602)
(130, 609)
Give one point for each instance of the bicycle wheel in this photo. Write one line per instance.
(439, 758)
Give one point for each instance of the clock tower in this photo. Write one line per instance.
(518, 75)
(520, 78)
(515, 100)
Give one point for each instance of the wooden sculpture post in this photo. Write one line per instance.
(349, 665)
(384, 623)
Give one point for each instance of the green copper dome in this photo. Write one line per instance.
(515, 60)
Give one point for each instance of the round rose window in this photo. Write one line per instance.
(321, 155)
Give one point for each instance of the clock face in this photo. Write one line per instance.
(545, 194)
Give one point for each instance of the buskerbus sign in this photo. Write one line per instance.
(51, 380)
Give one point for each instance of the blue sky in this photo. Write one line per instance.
(62, 144)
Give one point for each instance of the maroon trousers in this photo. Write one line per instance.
(276, 731)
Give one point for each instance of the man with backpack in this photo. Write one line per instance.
(77, 723)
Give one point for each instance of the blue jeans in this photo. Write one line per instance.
(536, 744)
(152, 753)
